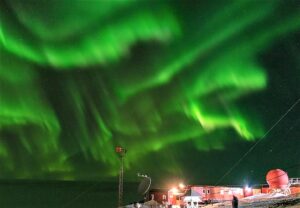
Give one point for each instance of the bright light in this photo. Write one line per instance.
(181, 186)
(248, 189)
(174, 190)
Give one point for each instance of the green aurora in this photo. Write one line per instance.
(79, 78)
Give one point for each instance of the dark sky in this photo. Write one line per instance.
(187, 87)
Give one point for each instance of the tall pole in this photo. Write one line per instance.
(121, 152)
(121, 178)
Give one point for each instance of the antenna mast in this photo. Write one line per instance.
(121, 152)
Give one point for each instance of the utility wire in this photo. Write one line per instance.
(256, 143)
(79, 195)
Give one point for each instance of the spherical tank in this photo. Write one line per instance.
(277, 179)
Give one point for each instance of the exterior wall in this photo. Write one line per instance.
(265, 190)
(171, 198)
(217, 193)
(294, 190)
(159, 195)
(256, 191)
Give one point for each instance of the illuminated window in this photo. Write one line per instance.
(222, 192)
(164, 197)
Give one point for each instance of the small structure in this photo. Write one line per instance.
(195, 195)
(278, 181)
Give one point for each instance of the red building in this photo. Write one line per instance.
(205, 194)
(278, 182)
(159, 195)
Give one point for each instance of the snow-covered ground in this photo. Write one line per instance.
(263, 200)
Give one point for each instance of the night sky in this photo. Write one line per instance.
(187, 87)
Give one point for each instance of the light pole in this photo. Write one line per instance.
(121, 152)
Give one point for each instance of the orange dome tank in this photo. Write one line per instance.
(277, 179)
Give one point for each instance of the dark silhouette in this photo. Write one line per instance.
(235, 202)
